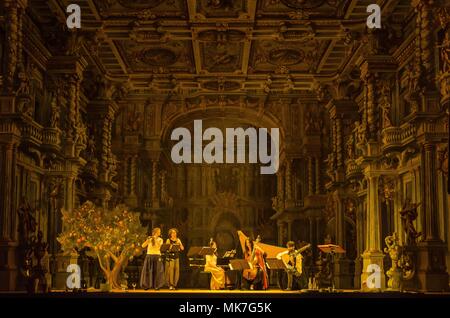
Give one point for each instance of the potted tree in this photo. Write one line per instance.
(113, 236)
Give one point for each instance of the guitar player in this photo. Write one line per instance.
(293, 259)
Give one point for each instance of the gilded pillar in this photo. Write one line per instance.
(14, 10)
(288, 185)
(317, 171)
(8, 157)
(289, 230)
(8, 217)
(371, 106)
(373, 255)
(432, 271)
(425, 25)
(430, 199)
(155, 201)
(280, 184)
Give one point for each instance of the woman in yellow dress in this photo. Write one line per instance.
(217, 273)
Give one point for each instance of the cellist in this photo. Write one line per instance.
(256, 276)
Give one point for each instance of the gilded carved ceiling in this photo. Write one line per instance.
(217, 46)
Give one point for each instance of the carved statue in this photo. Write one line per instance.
(134, 123)
(54, 192)
(23, 81)
(55, 115)
(393, 250)
(91, 147)
(35, 275)
(27, 221)
(443, 161)
(386, 105)
(360, 132)
(445, 53)
(277, 203)
(413, 73)
(444, 75)
(350, 147)
(24, 106)
(80, 133)
(409, 215)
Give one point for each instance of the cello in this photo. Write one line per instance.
(251, 273)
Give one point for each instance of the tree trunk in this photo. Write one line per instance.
(113, 278)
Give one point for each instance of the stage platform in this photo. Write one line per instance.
(243, 294)
(202, 293)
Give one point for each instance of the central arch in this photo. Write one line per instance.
(220, 198)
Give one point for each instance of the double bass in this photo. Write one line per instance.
(251, 273)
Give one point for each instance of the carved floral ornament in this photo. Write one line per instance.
(387, 188)
(443, 160)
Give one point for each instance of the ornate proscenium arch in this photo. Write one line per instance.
(237, 115)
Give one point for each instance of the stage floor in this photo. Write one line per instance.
(244, 294)
(166, 293)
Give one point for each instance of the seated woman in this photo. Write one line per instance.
(217, 273)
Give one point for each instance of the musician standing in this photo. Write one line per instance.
(173, 259)
(257, 275)
(152, 274)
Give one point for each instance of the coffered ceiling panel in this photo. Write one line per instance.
(172, 57)
(206, 46)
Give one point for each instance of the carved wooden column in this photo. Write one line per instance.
(339, 110)
(8, 217)
(360, 238)
(280, 184)
(318, 177)
(430, 199)
(125, 167)
(371, 106)
(310, 176)
(281, 233)
(131, 198)
(289, 230)
(155, 201)
(342, 277)
(14, 10)
(432, 271)
(9, 141)
(425, 25)
(373, 253)
(103, 112)
(288, 185)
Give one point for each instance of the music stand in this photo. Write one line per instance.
(164, 248)
(239, 264)
(331, 249)
(206, 251)
(194, 251)
(275, 263)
